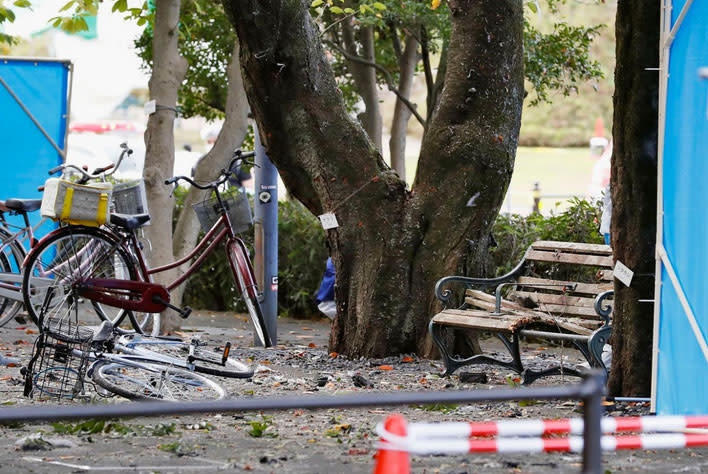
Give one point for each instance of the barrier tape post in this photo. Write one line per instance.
(391, 459)
(592, 390)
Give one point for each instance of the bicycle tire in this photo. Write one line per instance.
(146, 381)
(10, 263)
(243, 271)
(208, 362)
(65, 258)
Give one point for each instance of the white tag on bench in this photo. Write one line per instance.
(623, 273)
(329, 221)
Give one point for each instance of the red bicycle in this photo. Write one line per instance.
(77, 270)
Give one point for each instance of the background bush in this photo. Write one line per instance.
(301, 262)
(302, 254)
(514, 233)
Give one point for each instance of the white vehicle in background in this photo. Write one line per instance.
(96, 145)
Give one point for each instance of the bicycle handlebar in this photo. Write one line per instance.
(238, 156)
(86, 176)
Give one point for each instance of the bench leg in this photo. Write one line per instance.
(596, 343)
(452, 363)
(529, 375)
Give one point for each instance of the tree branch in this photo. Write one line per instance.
(387, 78)
(429, 84)
(396, 42)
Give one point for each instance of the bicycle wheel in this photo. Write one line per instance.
(207, 359)
(59, 264)
(243, 271)
(145, 381)
(11, 257)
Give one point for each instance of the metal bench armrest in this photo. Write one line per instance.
(443, 292)
(604, 308)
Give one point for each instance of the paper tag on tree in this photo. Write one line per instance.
(329, 221)
(623, 273)
(150, 107)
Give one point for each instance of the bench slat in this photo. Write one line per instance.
(506, 323)
(573, 247)
(473, 320)
(557, 299)
(586, 317)
(607, 275)
(578, 259)
(583, 288)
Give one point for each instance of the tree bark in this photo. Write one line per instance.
(365, 78)
(633, 184)
(231, 135)
(168, 71)
(391, 245)
(401, 113)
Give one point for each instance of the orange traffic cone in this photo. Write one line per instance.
(390, 461)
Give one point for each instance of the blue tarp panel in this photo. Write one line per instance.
(682, 377)
(27, 155)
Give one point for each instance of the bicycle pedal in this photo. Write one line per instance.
(185, 312)
(225, 355)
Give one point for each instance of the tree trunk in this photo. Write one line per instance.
(365, 78)
(168, 71)
(401, 113)
(633, 184)
(230, 137)
(391, 245)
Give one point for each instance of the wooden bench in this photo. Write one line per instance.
(558, 291)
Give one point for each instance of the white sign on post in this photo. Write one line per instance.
(329, 221)
(623, 273)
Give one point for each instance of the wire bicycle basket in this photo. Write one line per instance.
(237, 205)
(59, 361)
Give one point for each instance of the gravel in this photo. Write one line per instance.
(299, 441)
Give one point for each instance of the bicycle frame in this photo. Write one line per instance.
(113, 292)
(9, 281)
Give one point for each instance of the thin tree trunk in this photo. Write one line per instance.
(365, 79)
(401, 113)
(633, 184)
(230, 137)
(168, 71)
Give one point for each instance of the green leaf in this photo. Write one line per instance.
(22, 3)
(379, 6)
(532, 6)
(67, 6)
(336, 10)
(349, 10)
(120, 6)
(316, 3)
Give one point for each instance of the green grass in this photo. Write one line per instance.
(559, 171)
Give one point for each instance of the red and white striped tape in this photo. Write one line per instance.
(537, 445)
(573, 426)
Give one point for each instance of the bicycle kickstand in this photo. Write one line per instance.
(183, 312)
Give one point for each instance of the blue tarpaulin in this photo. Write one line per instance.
(42, 88)
(681, 381)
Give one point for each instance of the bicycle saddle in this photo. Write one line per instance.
(103, 332)
(23, 205)
(127, 221)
